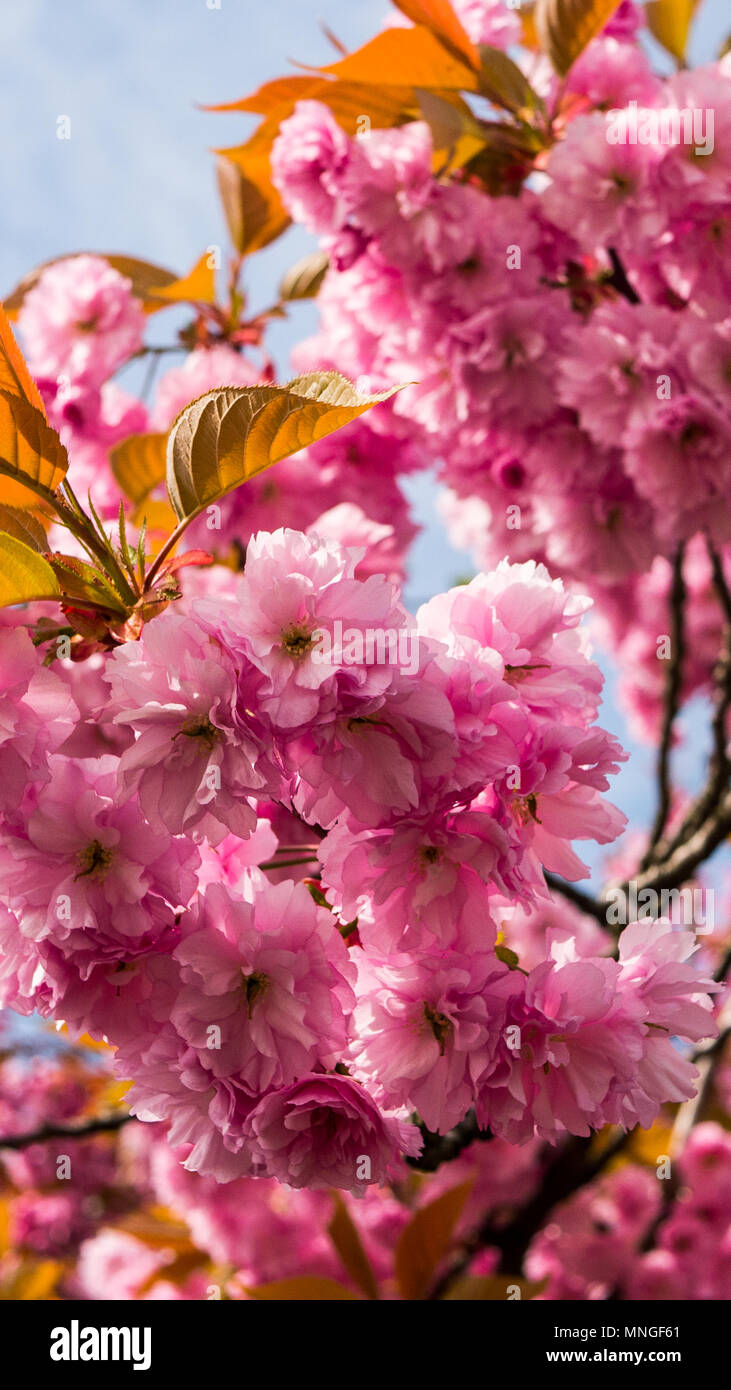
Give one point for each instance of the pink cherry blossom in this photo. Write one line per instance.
(327, 1131)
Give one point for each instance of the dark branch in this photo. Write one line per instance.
(569, 1168)
(104, 1124)
(672, 704)
(719, 767)
(442, 1148)
(591, 906)
(618, 278)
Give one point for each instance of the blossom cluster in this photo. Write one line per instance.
(294, 1035)
(597, 1243)
(578, 414)
(570, 354)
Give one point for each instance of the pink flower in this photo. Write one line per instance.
(612, 72)
(306, 620)
(428, 879)
(327, 1131)
(208, 1114)
(519, 619)
(678, 460)
(87, 875)
(49, 1223)
(37, 715)
(258, 1227)
(233, 862)
(602, 192)
(80, 320)
(591, 1243)
(309, 157)
(653, 956)
(115, 1265)
(427, 1028)
(199, 755)
(568, 1038)
(266, 986)
(488, 21)
(611, 374)
(379, 758)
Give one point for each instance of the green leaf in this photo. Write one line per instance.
(346, 1239)
(234, 432)
(507, 956)
(425, 1241)
(303, 280)
(24, 574)
(503, 83)
(123, 543)
(303, 1289)
(565, 27)
(24, 526)
(669, 22)
(82, 583)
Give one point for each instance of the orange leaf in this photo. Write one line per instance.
(157, 1227)
(440, 18)
(346, 1239)
(425, 1241)
(282, 91)
(197, 287)
(29, 449)
(406, 57)
(303, 1289)
(15, 379)
(254, 211)
(565, 27)
(177, 1271)
(138, 464)
(456, 134)
(384, 106)
(34, 1282)
(529, 34)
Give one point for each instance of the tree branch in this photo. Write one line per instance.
(719, 766)
(103, 1124)
(570, 1168)
(593, 907)
(618, 278)
(672, 703)
(443, 1148)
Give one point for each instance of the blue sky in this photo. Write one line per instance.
(137, 174)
